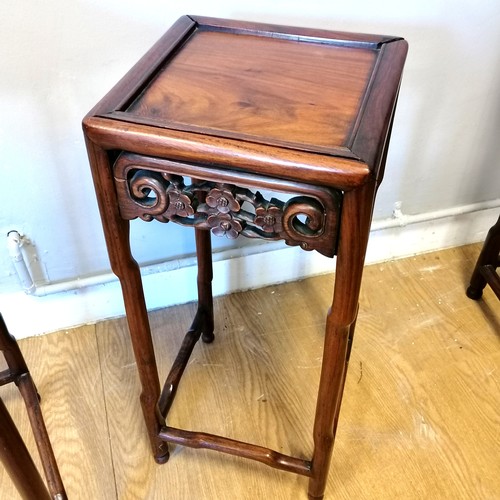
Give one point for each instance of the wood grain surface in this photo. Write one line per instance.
(261, 87)
(420, 413)
(66, 369)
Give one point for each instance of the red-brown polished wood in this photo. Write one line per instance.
(260, 90)
(215, 110)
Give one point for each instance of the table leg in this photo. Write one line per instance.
(22, 378)
(116, 232)
(204, 280)
(205, 276)
(488, 256)
(31, 398)
(142, 344)
(354, 230)
(17, 459)
(10, 348)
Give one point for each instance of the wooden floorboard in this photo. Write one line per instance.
(66, 369)
(419, 418)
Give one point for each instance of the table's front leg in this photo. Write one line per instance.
(116, 232)
(354, 230)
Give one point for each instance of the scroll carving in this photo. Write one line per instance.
(225, 209)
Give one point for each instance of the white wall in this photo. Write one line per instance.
(59, 58)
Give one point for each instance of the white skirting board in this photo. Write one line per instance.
(90, 300)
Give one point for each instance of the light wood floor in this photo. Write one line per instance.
(420, 416)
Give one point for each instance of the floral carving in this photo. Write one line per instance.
(179, 203)
(222, 199)
(269, 218)
(229, 210)
(224, 225)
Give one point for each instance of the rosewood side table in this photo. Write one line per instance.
(216, 110)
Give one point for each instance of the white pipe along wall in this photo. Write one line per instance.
(14, 243)
(442, 164)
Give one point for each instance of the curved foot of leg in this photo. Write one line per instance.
(208, 338)
(162, 454)
(474, 293)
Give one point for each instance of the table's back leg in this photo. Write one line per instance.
(354, 230)
(205, 276)
(116, 232)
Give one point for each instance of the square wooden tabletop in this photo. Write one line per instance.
(306, 96)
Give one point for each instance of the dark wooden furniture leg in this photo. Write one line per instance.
(487, 263)
(204, 279)
(13, 451)
(341, 320)
(17, 460)
(116, 232)
(205, 276)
